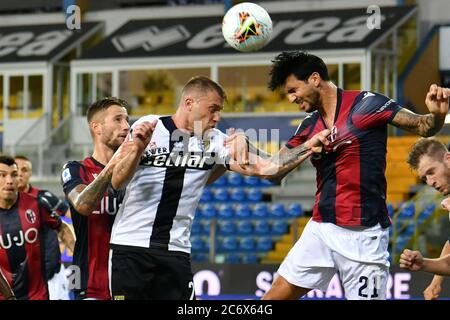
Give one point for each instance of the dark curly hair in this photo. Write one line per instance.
(300, 64)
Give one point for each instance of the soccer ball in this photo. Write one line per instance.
(247, 27)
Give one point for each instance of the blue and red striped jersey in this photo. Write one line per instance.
(21, 257)
(93, 232)
(351, 185)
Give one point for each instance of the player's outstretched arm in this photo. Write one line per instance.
(434, 288)
(278, 166)
(437, 102)
(5, 289)
(414, 261)
(125, 168)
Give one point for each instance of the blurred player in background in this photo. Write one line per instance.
(150, 247)
(93, 202)
(21, 219)
(348, 232)
(431, 160)
(58, 285)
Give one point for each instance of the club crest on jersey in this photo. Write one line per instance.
(66, 175)
(30, 216)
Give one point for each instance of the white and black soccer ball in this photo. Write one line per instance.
(247, 27)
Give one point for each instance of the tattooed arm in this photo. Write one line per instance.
(278, 166)
(424, 125)
(429, 124)
(85, 198)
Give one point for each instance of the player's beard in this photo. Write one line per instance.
(312, 101)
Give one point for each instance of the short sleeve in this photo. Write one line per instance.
(373, 110)
(303, 131)
(71, 176)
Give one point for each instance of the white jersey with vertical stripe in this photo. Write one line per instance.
(160, 200)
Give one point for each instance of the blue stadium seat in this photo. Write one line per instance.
(229, 244)
(247, 244)
(225, 211)
(199, 257)
(207, 195)
(242, 211)
(221, 182)
(245, 227)
(237, 194)
(262, 227)
(249, 258)
(208, 211)
(226, 228)
(266, 183)
(260, 211)
(220, 194)
(196, 228)
(197, 244)
(408, 212)
(251, 181)
(279, 227)
(294, 210)
(264, 244)
(254, 194)
(235, 179)
(206, 227)
(232, 258)
(276, 210)
(390, 209)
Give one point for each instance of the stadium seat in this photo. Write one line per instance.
(247, 244)
(260, 211)
(408, 212)
(234, 179)
(225, 211)
(249, 258)
(242, 211)
(199, 257)
(264, 244)
(279, 227)
(208, 211)
(207, 195)
(251, 181)
(294, 210)
(237, 194)
(226, 228)
(254, 194)
(390, 209)
(221, 182)
(229, 244)
(277, 210)
(196, 228)
(220, 194)
(197, 244)
(232, 258)
(262, 227)
(206, 228)
(265, 183)
(244, 227)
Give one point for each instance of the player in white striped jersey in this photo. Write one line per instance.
(150, 247)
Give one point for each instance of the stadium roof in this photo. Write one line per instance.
(337, 30)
